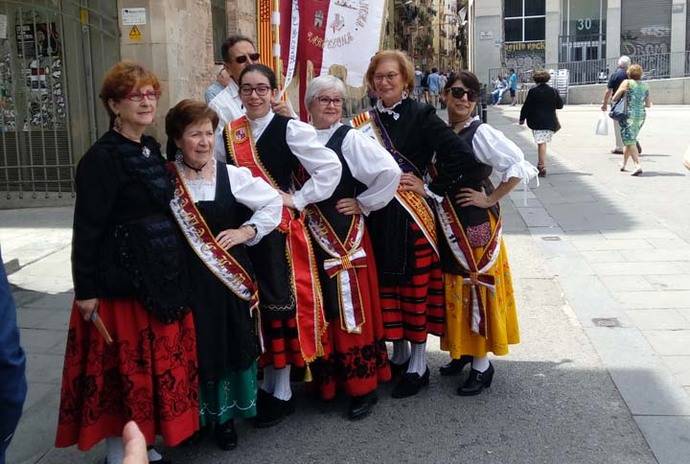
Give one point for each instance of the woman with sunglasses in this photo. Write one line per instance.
(481, 315)
(404, 232)
(277, 148)
(131, 350)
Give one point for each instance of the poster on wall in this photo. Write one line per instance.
(37, 40)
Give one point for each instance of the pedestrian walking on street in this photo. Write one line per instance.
(12, 366)
(512, 85)
(131, 346)
(637, 94)
(403, 232)
(539, 110)
(434, 87)
(616, 79)
(224, 294)
(481, 314)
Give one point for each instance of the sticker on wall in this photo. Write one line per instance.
(133, 16)
(134, 34)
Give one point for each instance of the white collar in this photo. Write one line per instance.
(332, 128)
(263, 119)
(388, 109)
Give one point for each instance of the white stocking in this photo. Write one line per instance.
(401, 352)
(418, 359)
(115, 450)
(282, 389)
(480, 364)
(269, 383)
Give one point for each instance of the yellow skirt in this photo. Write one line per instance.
(502, 324)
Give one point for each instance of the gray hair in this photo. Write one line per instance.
(322, 83)
(624, 62)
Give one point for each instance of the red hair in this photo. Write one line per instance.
(122, 79)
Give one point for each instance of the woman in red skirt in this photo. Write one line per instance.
(356, 358)
(131, 347)
(404, 231)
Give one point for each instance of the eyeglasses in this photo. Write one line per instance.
(151, 95)
(243, 58)
(325, 101)
(459, 92)
(389, 77)
(261, 90)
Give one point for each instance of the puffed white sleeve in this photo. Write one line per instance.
(498, 151)
(372, 165)
(321, 163)
(257, 195)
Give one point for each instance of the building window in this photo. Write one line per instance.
(219, 25)
(524, 20)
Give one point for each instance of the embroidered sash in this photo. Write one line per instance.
(311, 322)
(477, 270)
(416, 206)
(199, 236)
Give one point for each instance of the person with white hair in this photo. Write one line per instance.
(355, 357)
(616, 79)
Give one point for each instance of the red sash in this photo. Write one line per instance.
(311, 322)
(413, 203)
(477, 271)
(199, 236)
(346, 257)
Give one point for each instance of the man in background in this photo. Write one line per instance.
(434, 87)
(512, 84)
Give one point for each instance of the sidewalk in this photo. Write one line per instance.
(620, 248)
(558, 396)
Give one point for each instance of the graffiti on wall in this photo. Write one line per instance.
(524, 56)
(648, 40)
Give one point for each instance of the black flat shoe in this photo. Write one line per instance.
(361, 406)
(226, 436)
(398, 369)
(455, 366)
(410, 384)
(271, 411)
(476, 382)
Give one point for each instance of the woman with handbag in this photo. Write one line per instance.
(539, 110)
(636, 96)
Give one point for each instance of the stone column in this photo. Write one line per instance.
(176, 44)
(679, 13)
(242, 17)
(487, 37)
(553, 29)
(613, 29)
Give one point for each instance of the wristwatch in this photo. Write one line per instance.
(251, 226)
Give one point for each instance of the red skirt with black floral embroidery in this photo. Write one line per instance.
(149, 375)
(357, 363)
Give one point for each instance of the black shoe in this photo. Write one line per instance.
(455, 366)
(361, 406)
(226, 436)
(271, 410)
(399, 369)
(476, 382)
(410, 384)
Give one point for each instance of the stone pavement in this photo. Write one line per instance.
(587, 384)
(620, 247)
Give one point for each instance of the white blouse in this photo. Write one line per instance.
(251, 191)
(370, 164)
(228, 105)
(493, 148)
(321, 163)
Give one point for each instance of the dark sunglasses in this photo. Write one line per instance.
(459, 92)
(243, 58)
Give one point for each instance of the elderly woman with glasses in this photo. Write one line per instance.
(404, 232)
(131, 346)
(481, 315)
(355, 351)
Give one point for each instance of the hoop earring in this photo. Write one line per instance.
(117, 123)
(405, 94)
